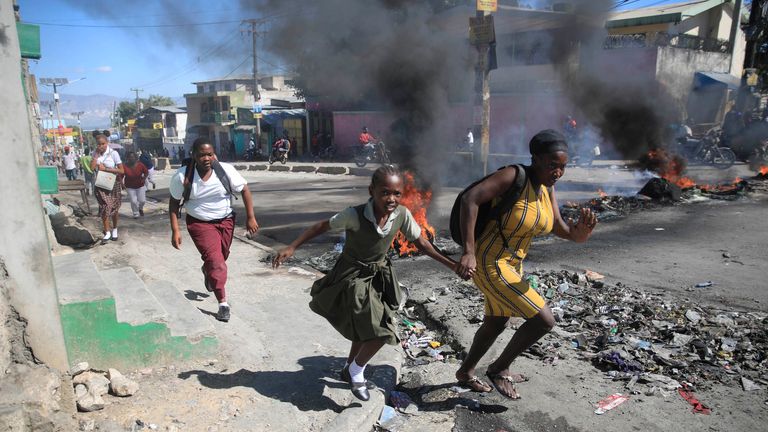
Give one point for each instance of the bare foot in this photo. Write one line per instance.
(504, 382)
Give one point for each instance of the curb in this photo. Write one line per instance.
(365, 416)
(360, 416)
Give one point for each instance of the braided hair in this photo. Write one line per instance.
(382, 173)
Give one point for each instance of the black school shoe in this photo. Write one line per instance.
(223, 314)
(360, 390)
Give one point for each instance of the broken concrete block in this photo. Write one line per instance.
(79, 368)
(120, 385)
(80, 391)
(90, 402)
(97, 383)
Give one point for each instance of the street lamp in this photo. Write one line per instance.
(80, 128)
(54, 82)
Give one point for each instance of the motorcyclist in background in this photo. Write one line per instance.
(366, 139)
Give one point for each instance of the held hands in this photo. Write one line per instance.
(581, 230)
(466, 267)
(282, 255)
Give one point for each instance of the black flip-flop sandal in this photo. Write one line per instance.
(493, 377)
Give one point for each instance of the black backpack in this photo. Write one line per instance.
(487, 211)
(190, 175)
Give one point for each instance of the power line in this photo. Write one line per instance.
(132, 26)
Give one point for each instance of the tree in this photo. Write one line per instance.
(127, 110)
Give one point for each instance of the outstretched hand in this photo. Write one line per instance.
(282, 255)
(581, 230)
(252, 226)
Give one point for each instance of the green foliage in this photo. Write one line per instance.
(127, 110)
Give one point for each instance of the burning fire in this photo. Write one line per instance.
(669, 167)
(417, 202)
(763, 171)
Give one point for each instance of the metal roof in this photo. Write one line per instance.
(668, 13)
(171, 109)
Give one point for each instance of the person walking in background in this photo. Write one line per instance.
(205, 188)
(70, 163)
(146, 160)
(85, 164)
(107, 160)
(135, 183)
(360, 295)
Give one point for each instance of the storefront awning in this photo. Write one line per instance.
(703, 79)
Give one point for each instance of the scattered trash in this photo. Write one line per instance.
(610, 403)
(460, 390)
(706, 284)
(402, 402)
(693, 316)
(659, 229)
(698, 407)
(593, 276)
(749, 385)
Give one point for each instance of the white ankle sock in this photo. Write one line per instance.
(107, 235)
(223, 304)
(356, 372)
(114, 232)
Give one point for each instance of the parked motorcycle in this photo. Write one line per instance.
(254, 154)
(372, 152)
(326, 154)
(707, 150)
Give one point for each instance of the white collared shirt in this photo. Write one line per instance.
(208, 200)
(349, 220)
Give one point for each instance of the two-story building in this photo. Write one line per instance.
(160, 127)
(685, 47)
(224, 110)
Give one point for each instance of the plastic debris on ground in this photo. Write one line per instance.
(628, 332)
(610, 403)
(698, 407)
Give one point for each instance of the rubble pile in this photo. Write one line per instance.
(641, 337)
(609, 207)
(90, 385)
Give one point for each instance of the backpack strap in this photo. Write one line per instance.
(189, 176)
(508, 199)
(223, 177)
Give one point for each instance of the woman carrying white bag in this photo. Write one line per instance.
(108, 166)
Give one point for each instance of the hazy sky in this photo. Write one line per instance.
(149, 44)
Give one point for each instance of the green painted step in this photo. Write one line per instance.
(127, 328)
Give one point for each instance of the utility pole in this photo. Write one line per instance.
(254, 23)
(482, 35)
(755, 16)
(138, 108)
(56, 83)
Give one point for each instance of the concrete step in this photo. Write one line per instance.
(78, 280)
(134, 303)
(184, 319)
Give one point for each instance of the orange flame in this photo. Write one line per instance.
(764, 170)
(601, 193)
(417, 201)
(671, 168)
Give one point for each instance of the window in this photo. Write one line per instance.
(228, 87)
(200, 88)
(211, 88)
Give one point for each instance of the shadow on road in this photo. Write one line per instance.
(303, 388)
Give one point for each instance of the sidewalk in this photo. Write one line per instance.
(277, 364)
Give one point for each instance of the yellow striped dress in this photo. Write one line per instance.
(499, 272)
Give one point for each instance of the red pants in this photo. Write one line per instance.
(213, 239)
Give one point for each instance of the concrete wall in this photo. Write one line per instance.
(675, 70)
(23, 241)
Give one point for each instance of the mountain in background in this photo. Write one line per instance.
(96, 108)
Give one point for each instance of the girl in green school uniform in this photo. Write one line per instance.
(360, 295)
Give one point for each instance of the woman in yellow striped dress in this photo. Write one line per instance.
(498, 270)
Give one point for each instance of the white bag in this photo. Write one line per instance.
(105, 180)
